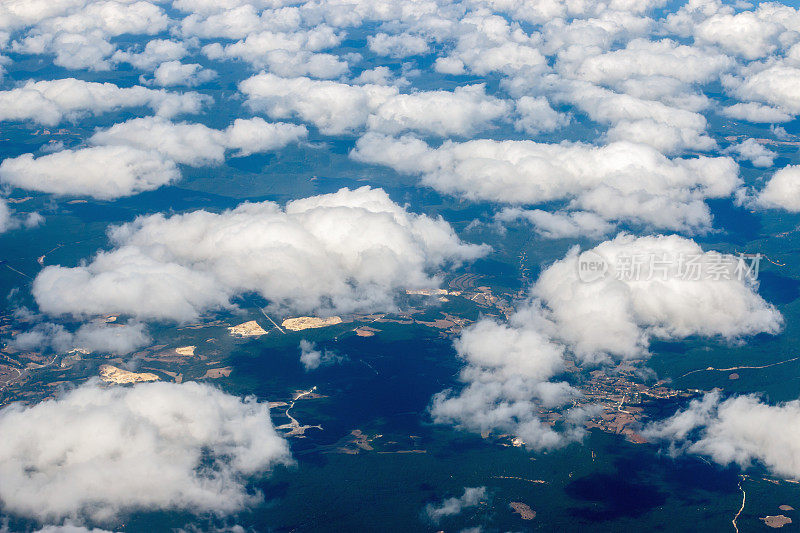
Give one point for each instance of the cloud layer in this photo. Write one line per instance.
(740, 430)
(337, 252)
(102, 172)
(49, 102)
(658, 296)
(513, 370)
(620, 181)
(100, 452)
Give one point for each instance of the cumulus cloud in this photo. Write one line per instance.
(452, 506)
(755, 112)
(772, 86)
(6, 222)
(666, 128)
(234, 19)
(119, 449)
(645, 58)
(620, 181)
(117, 339)
(782, 191)
(16, 15)
(507, 378)
(340, 252)
(488, 43)
(397, 46)
(740, 430)
(380, 76)
(745, 34)
(171, 73)
(72, 50)
(141, 155)
(9, 221)
(103, 172)
(337, 108)
(462, 112)
(82, 38)
(312, 358)
(70, 527)
(289, 54)
(50, 102)
(536, 115)
(659, 295)
(334, 108)
(512, 370)
(755, 152)
(154, 53)
(196, 144)
(558, 225)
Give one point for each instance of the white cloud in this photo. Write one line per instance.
(288, 54)
(118, 339)
(191, 144)
(171, 73)
(753, 151)
(250, 136)
(487, 43)
(155, 52)
(619, 181)
(15, 15)
(70, 527)
(380, 76)
(558, 225)
(512, 370)
(397, 46)
(103, 172)
(666, 128)
(237, 20)
(506, 381)
(620, 313)
(50, 102)
(536, 115)
(669, 91)
(782, 190)
(642, 57)
(604, 29)
(333, 107)
(119, 449)
(6, 222)
(345, 13)
(739, 430)
(745, 34)
(452, 506)
(312, 358)
(774, 86)
(72, 50)
(112, 17)
(754, 112)
(461, 112)
(339, 252)
(82, 38)
(337, 108)
(196, 144)
(140, 155)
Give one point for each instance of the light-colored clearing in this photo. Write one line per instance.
(247, 329)
(307, 322)
(524, 510)
(112, 374)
